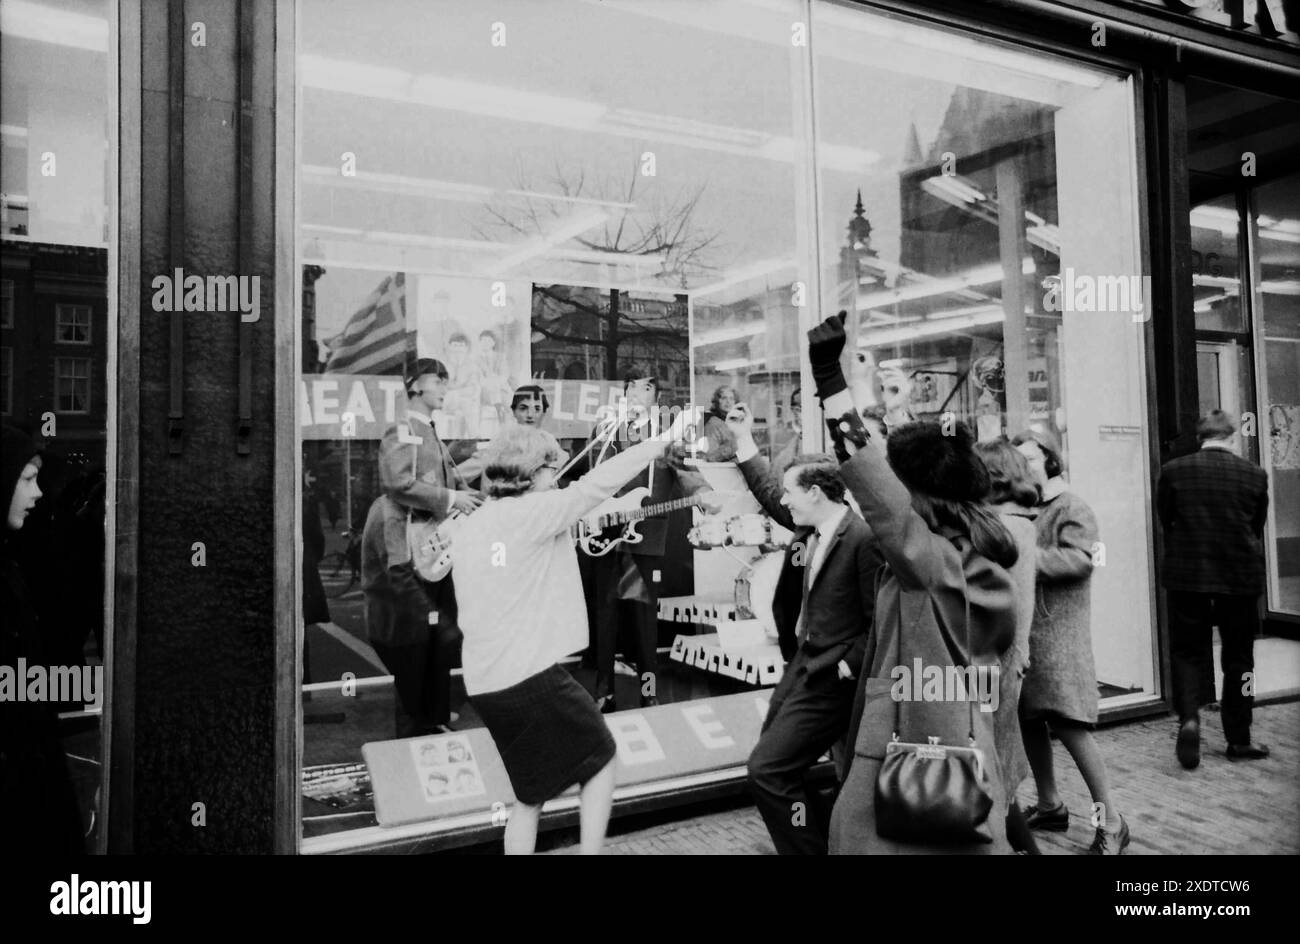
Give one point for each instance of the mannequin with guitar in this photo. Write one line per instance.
(624, 542)
(410, 616)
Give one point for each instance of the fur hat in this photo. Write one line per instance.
(938, 465)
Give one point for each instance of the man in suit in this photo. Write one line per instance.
(413, 623)
(823, 607)
(1212, 505)
(625, 581)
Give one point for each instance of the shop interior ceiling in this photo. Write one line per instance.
(1223, 123)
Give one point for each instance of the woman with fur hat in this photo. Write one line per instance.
(944, 599)
(37, 799)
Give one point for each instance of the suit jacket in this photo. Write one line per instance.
(841, 599)
(415, 476)
(1212, 506)
(671, 480)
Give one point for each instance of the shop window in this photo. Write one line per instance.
(988, 257)
(72, 384)
(57, 168)
(1275, 226)
(1216, 271)
(72, 324)
(555, 217)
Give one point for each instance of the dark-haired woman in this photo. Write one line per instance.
(522, 611)
(722, 441)
(944, 600)
(1013, 495)
(1060, 690)
(39, 814)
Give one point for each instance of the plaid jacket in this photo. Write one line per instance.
(1212, 505)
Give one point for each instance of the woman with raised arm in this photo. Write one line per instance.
(945, 605)
(522, 611)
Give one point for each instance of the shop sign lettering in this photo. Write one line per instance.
(1261, 17)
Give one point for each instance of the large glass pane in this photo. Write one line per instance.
(988, 256)
(56, 327)
(557, 194)
(1216, 270)
(1275, 225)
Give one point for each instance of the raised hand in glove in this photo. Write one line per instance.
(825, 344)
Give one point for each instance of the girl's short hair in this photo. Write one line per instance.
(1009, 472)
(1046, 442)
(717, 394)
(515, 457)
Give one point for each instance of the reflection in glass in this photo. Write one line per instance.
(55, 327)
(1276, 229)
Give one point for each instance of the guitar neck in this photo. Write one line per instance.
(650, 511)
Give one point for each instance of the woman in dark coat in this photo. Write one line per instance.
(944, 597)
(37, 800)
(1060, 690)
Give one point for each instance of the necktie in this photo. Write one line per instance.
(810, 554)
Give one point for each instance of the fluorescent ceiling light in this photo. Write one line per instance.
(562, 232)
(1280, 286)
(13, 131)
(1218, 281)
(888, 336)
(981, 275)
(744, 274)
(325, 175)
(24, 20)
(736, 363)
(956, 191)
(478, 98)
(1285, 231)
(722, 335)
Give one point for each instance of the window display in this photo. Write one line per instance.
(510, 233)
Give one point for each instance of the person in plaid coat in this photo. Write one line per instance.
(1212, 505)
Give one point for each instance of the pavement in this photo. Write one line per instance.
(1221, 808)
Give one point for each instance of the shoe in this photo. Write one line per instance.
(649, 701)
(1189, 744)
(606, 705)
(1105, 843)
(1057, 820)
(1247, 752)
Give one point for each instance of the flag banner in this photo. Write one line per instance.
(374, 340)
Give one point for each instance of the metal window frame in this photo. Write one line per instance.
(59, 323)
(60, 377)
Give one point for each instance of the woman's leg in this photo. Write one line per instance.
(521, 829)
(1082, 746)
(1038, 747)
(597, 798)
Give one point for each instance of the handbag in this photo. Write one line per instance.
(932, 793)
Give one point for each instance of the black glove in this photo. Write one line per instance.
(848, 430)
(825, 344)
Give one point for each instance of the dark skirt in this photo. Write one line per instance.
(549, 732)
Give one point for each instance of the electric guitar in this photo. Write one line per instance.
(623, 511)
(430, 544)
